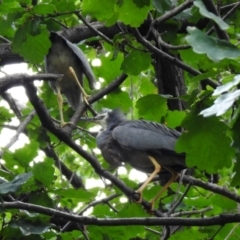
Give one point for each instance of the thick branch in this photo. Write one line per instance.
(149, 221)
(19, 79)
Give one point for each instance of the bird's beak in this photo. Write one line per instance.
(90, 119)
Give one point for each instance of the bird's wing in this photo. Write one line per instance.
(145, 136)
(85, 65)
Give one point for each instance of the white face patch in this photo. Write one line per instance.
(102, 120)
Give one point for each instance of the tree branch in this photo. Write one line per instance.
(212, 187)
(172, 13)
(20, 79)
(64, 137)
(168, 57)
(149, 221)
(211, 8)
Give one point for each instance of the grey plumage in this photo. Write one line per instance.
(134, 141)
(62, 55)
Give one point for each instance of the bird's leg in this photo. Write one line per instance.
(165, 187)
(60, 104)
(157, 169)
(85, 96)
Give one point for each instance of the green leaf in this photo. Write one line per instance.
(216, 49)
(5, 115)
(69, 235)
(130, 14)
(207, 14)
(225, 203)
(44, 8)
(15, 184)
(116, 99)
(152, 107)
(188, 234)
(200, 144)
(136, 62)
(130, 210)
(109, 69)
(28, 227)
(221, 104)
(36, 47)
(26, 154)
(105, 12)
(80, 194)
(62, 6)
(20, 36)
(174, 118)
(44, 172)
(141, 3)
(162, 6)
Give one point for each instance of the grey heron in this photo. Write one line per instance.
(146, 146)
(66, 58)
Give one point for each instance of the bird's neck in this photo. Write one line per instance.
(112, 125)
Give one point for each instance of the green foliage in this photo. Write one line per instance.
(45, 170)
(206, 13)
(15, 184)
(200, 137)
(136, 62)
(215, 49)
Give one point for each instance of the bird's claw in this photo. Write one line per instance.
(140, 198)
(63, 124)
(151, 209)
(85, 98)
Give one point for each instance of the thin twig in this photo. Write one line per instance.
(92, 204)
(179, 200)
(108, 40)
(182, 213)
(172, 13)
(153, 231)
(231, 232)
(19, 130)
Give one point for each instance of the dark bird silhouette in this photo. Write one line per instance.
(66, 58)
(146, 146)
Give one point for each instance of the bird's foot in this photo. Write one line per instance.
(63, 124)
(85, 98)
(151, 209)
(140, 197)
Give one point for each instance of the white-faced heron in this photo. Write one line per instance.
(146, 146)
(66, 58)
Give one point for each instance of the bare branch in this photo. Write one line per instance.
(19, 130)
(212, 187)
(148, 221)
(179, 214)
(211, 8)
(14, 80)
(168, 57)
(172, 13)
(104, 37)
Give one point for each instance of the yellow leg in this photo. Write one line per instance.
(85, 96)
(60, 104)
(157, 169)
(165, 187)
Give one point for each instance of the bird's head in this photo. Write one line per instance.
(109, 119)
